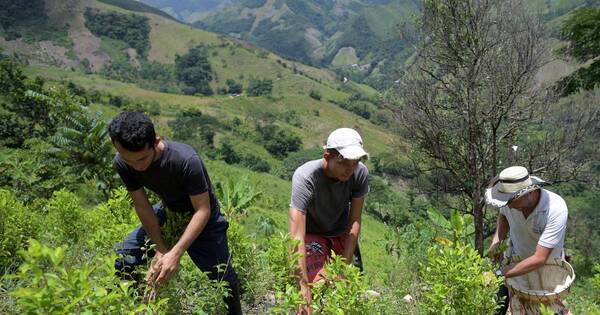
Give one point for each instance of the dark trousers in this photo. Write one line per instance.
(207, 252)
(503, 300)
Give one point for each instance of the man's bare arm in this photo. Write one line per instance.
(502, 229)
(170, 261)
(354, 225)
(529, 264)
(149, 220)
(297, 227)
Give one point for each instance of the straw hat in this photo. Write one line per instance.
(511, 183)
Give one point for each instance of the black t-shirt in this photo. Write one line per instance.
(176, 175)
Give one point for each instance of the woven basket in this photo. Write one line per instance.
(547, 284)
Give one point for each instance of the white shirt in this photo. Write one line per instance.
(545, 226)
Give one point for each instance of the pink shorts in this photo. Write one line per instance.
(318, 252)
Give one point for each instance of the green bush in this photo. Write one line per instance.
(190, 291)
(258, 87)
(64, 218)
(343, 291)
(246, 261)
(17, 224)
(236, 197)
(50, 286)
(315, 95)
(454, 281)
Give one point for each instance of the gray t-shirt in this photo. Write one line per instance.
(326, 202)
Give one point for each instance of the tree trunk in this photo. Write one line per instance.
(478, 221)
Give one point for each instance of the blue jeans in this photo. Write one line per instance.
(208, 251)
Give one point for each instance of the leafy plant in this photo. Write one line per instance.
(343, 290)
(456, 282)
(92, 288)
(236, 196)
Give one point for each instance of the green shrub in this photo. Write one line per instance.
(258, 87)
(343, 291)
(315, 95)
(246, 261)
(50, 286)
(233, 87)
(190, 291)
(17, 225)
(255, 163)
(236, 197)
(454, 281)
(64, 217)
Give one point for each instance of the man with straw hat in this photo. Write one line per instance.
(328, 195)
(537, 221)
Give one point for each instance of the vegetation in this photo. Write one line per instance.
(258, 87)
(581, 32)
(194, 70)
(61, 211)
(132, 29)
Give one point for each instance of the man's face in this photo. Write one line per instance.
(341, 168)
(521, 203)
(139, 160)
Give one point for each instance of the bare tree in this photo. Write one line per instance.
(470, 92)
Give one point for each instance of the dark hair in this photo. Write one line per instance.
(333, 152)
(133, 131)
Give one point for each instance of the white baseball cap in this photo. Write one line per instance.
(348, 143)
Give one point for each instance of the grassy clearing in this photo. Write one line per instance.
(345, 56)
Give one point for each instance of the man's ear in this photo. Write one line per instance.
(156, 141)
(327, 155)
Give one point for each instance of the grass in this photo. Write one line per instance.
(345, 56)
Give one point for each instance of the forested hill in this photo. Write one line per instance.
(365, 40)
(67, 67)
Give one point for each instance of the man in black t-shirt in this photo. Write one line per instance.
(175, 172)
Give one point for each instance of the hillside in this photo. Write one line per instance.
(356, 37)
(362, 40)
(292, 81)
(254, 113)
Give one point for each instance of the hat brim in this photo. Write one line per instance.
(353, 152)
(494, 197)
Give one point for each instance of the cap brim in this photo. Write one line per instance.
(494, 197)
(353, 153)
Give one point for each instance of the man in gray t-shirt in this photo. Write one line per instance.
(326, 205)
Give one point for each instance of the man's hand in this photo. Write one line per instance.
(494, 253)
(165, 267)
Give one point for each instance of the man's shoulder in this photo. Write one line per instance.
(180, 152)
(555, 203)
(308, 169)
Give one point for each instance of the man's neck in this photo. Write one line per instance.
(531, 208)
(159, 149)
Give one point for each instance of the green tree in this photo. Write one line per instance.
(258, 87)
(194, 70)
(233, 87)
(469, 91)
(582, 32)
(84, 144)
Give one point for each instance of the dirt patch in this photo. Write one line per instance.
(40, 53)
(133, 57)
(85, 44)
